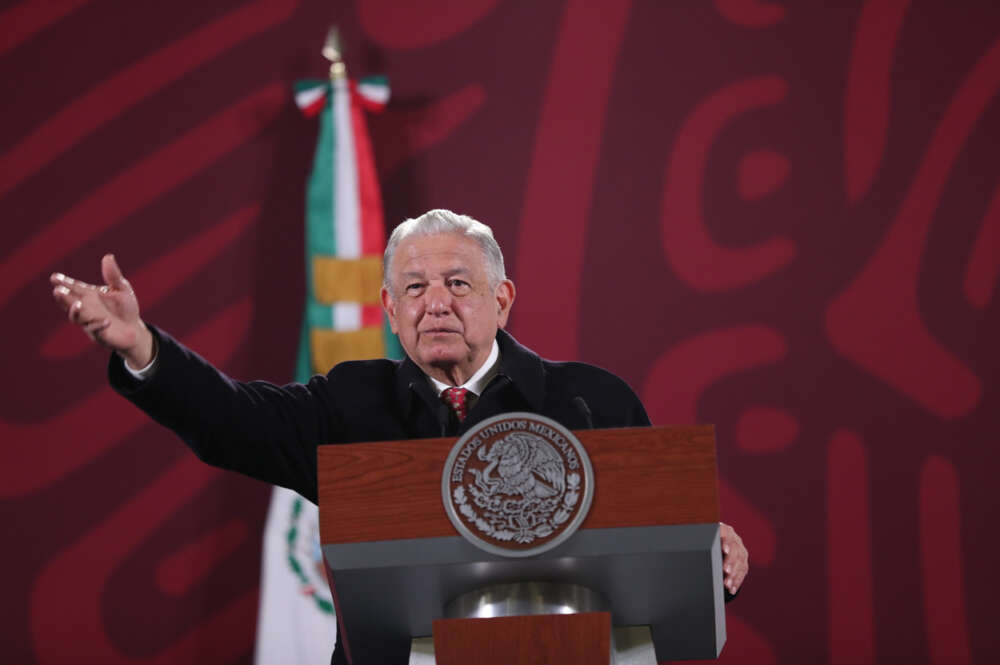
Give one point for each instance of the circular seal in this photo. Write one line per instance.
(517, 484)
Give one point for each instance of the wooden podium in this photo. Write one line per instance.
(649, 549)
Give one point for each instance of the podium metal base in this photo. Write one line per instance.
(524, 598)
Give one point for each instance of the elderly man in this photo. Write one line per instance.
(447, 297)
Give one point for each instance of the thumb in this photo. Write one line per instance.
(112, 274)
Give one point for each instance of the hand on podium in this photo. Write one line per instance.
(109, 314)
(735, 558)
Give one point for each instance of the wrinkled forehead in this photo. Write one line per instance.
(438, 253)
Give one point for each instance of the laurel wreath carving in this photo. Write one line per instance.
(539, 517)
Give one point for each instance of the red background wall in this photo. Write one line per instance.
(782, 218)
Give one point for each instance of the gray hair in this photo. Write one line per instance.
(434, 222)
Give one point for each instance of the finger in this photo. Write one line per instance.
(735, 583)
(734, 580)
(737, 573)
(83, 313)
(74, 285)
(64, 297)
(113, 296)
(75, 308)
(112, 274)
(87, 307)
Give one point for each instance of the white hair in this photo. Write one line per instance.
(434, 222)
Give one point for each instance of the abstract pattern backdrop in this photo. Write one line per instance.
(782, 218)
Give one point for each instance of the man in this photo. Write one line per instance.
(447, 297)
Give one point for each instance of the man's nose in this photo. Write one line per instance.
(437, 299)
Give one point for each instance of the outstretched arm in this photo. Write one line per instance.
(109, 314)
(257, 428)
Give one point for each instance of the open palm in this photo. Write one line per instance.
(108, 313)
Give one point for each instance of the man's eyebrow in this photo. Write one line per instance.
(451, 272)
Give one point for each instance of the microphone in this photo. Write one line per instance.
(580, 405)
(443, 416)
(442, 411)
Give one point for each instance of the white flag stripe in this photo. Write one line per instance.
(347, 209)
(346, 316)
(374, 91)
(305, 98)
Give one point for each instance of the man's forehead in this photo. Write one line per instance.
(441, 252)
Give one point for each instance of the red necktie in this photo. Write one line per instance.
(456, 398)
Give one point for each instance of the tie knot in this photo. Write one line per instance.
(457, 399)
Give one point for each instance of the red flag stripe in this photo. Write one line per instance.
(369, 195)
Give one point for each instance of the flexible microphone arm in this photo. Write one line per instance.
(580, 405)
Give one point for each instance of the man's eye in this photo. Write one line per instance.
(414, 288)
(459, 285)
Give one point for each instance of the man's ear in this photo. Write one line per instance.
(389, 305)
(505, 294)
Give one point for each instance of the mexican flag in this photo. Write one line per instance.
(345, 238)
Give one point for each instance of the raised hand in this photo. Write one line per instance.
(109, 314)
(735, 558)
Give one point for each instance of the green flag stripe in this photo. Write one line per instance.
(319, 198)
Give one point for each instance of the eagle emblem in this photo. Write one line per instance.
(517, 484)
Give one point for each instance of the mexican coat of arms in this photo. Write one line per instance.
(517, 484)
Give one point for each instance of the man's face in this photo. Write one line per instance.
(442, 307)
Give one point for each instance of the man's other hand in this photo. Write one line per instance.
(109, 314)
(735, 558)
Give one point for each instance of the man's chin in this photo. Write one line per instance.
(444, 356)
(441, 360)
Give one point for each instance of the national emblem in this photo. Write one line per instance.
(517, 484)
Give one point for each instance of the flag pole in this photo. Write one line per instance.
(332, 52)
(342, 320)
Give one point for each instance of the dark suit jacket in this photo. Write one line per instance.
(270, 432)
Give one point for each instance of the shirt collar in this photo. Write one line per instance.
(478, 381)
(518, 365)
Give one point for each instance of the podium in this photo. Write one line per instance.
(646, 555)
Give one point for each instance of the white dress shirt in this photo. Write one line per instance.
(478, 381)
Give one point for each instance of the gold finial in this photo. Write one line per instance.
(331, 51)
